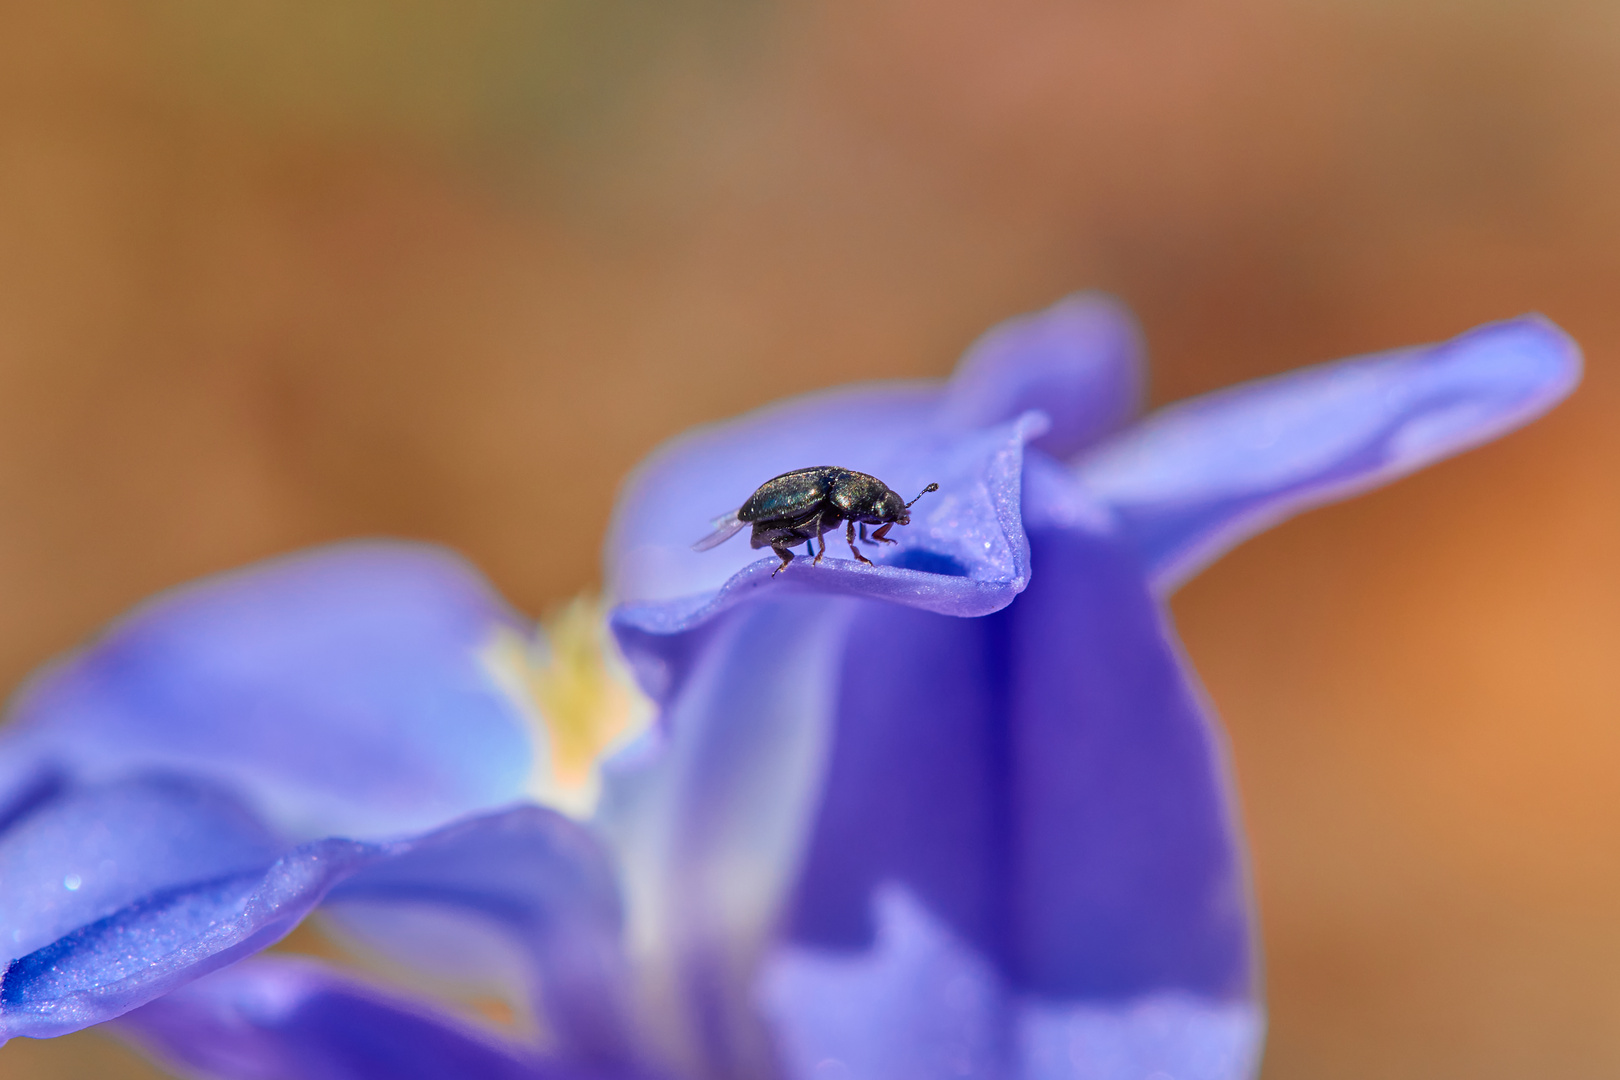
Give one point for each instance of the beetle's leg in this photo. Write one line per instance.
(882, 535)
(849, 537)
(816, 529)
(864, 538)
(784, 554)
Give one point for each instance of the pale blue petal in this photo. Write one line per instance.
(918, 1005)
(1196, 478)
(1180, 1036)
(341, 691)
(709, 817)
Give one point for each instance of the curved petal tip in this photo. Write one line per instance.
(1199, 476)
(1078, 361)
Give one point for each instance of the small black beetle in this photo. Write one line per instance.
(799, 506)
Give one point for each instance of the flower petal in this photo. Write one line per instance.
(1045, 783)
(1175, 1035)
(919, 1005)
(1129, 874)
(922, 1005)
(280, 1019)
(709, 817)
(343, 691)
(1198, 477)
(87, 853)
(963, 553)
(1079, 362)
(166, 939)
(530, 871)
(540, 883)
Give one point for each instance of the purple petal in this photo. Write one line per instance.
(1045, 783)
(541, 885)
(278, 1019)
(1196, 478)
(342, 691)
(1128, 869)
(963, 553)
(1079, 362)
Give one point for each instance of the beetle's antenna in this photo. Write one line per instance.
(924, 491)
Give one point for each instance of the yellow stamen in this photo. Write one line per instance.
(579, 696)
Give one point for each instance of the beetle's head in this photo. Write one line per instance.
(891, 507)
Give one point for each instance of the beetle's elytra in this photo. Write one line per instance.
(799, 507)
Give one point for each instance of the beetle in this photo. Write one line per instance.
(799, 507)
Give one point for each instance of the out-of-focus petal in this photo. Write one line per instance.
(1198, 477)
(88, 853)
(1045, 784)
(540, 883)
(342, 691)
(153, 932)
(166, 939)
(1078, 361)
(709, 817)
(963, 553)
(280, 1019)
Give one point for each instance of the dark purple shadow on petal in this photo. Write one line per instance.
(543, 881)
(916, 786)
(40, 786)
(342, 691)
(1078, 361)
(1128, 875)
(288, 1020)
(1045, 780)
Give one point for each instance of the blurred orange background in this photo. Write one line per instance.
(273, 273)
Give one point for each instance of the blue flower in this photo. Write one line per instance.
(966, 812)
(962, 813)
